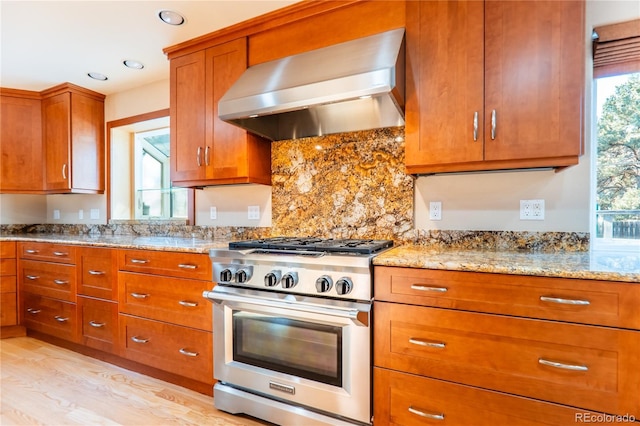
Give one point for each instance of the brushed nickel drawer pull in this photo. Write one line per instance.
(188, 303)
(493, 124)
(572, 367)
(33, 277)
(139, 339)
(142, 261)
(199, 156)
(32, 251)
(96, 324)
(60, 253)
(64, 171)
(139, 295)
(187, 266)
(183, 351)
(421, 413)
(564, 301)
(428, 343)
(92, 272)
(475, 126)
(60, 282)
(428, 288)
(60, 319)
(34, 311)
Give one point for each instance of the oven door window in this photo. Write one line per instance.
(304, 349)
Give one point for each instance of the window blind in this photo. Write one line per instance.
(616, 49)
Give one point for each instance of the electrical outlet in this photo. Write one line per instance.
(531, 209)
(213, 213)
(80, 214)
(94, 214)
(56, 214)
(253, 212)
(435, 210)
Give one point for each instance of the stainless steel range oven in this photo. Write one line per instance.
(292, 334)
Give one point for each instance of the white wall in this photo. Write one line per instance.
(491, 201)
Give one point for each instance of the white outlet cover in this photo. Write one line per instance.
(56, 214)
(213, 213)
(253, 212)
(532, 209)
(435, 210)
(94, 213)
(80, 214)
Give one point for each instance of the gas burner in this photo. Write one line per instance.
(330, 245)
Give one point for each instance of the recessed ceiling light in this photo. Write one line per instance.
(130, 63)
(97, 76)
(170, 17)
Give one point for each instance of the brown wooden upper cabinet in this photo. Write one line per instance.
(204, 149)
(73, 140)
(20, 141)
(494, 85)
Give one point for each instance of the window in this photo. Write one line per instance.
(617, 136)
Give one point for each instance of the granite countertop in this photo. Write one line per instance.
(596, 265)
(180, 244)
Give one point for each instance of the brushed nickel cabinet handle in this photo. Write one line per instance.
(60, 253)
(188, 303)
(34, 311)
(32, 251)
(33, 277)
(198, 158)
(96, 324)
(140, 295)
(183, 351)
(475, 126)
(60, 282)
(187, 266)
(562, 301)
(563, 366)
(60, 319)
(206, 155)
(64, 171)
(493, 124)
(428, 288)
(428, 343)
(139, 339)
(92, 272)
(141, 261)
(422, 413)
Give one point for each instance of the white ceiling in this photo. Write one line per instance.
(45, 43)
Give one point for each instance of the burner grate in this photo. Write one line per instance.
(331, 245)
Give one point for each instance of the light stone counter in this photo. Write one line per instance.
(596, 265)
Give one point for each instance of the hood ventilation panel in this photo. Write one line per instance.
(356, 85)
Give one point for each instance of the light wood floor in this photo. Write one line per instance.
(42, 384)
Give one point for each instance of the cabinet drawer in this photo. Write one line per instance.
(50, 316)
(48, 279)
(47, 252)
(7, 249)
(8, 309)
(578, 365)
(581, 301)
(98, 269)
(99, 323)
(7, 267)
(406, 399)
(180, 350)
(172, 264)
(173, 300)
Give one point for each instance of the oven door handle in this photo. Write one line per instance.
(358, 314)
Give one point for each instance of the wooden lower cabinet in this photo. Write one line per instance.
(50, 316)
(181, 350)
(408, 399)
(99, 323)
(8, 286)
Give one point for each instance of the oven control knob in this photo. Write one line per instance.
(226, 275)
(289, 280)
(272, 278)
(242, 276)
(344, 286)
(324, 284)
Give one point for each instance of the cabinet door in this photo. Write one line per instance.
(445, 43)
(20, 144)
(56, 115)
(188, 117)
(534, 58)
(87, 144)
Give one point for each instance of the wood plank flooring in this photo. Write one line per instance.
(42, 384)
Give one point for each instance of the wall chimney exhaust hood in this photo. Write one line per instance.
(356, 85)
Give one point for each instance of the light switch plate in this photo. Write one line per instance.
(213, 213)
(94, 213)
